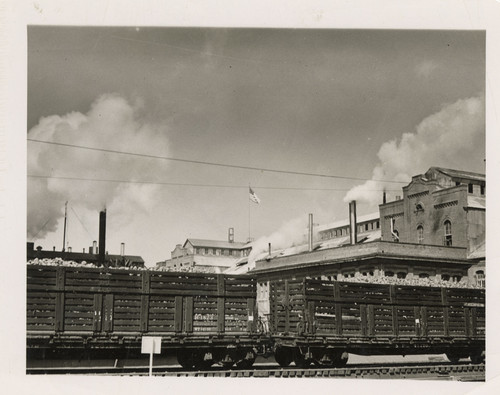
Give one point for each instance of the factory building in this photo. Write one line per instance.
(213, 256)
(436, 231)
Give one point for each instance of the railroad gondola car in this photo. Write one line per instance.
(323, 321)
(202, 318)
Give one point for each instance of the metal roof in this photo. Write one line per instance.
(216, 244)
(460, 173)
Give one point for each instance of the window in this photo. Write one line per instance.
(419, 207)
(395, 236)
(420, 234)
(447, 234)
(389, 274)
(366, 226)
(482, 189)
(457, 183)
(206, 250)
(378, 224)
(471, 188)
(480, 279)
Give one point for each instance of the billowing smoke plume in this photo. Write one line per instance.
(291, 233)
(447, 138)
(112, 123)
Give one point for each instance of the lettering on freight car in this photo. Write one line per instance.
(205, 317)
(470, 304)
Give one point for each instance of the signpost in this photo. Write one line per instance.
(151, 345)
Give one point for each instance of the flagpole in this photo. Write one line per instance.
(248, 213)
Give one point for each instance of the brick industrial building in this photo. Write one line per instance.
(436, 231)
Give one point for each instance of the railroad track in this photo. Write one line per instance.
(433, 371)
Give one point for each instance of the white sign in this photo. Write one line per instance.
(151, 345)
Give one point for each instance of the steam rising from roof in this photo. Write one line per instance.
(444, 139)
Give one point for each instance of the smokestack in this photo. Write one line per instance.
(384, 198)
(310, 232)
(93, 249)
(102, 235)
(122, 249)
(352, 222)
(53, 248)
(84, 250)
(230, 235)
(269, 245)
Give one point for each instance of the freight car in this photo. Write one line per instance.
(323, 321)
(213, 318)
(202, 318)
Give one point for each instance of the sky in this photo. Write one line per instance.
(354, 107)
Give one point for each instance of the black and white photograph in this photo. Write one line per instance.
(260, 202)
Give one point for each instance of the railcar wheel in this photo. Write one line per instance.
(185, 359)
(477, 357)
(203, 360)
(302, 360)
(453, 357)
(247, 358)
(322, 358)
(283, 356)
(339, 358)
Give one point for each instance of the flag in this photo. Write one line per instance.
(253, 197)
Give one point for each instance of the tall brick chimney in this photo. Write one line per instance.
(102, 236)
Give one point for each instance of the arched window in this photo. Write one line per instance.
(420, 234)
(447, 233)
(389, 274)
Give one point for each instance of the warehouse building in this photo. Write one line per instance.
(213, 256)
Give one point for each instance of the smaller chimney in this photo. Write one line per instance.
(122, 249)
(53, 248)
(310, 232)
(94, 247)
(269, 245)
(69, 249)
(230, 235)
(384, 198)
(84, 250)
(398, 197)
(352, 222)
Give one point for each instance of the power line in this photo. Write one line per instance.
(209, 163)
(81, 223)
(195, 185)
(44, 225)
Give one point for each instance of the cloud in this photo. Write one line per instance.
(111, 123)
(425, 68)
(447, 138)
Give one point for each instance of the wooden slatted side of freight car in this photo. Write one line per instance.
(94, 301)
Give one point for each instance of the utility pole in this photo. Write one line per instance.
(64, 234)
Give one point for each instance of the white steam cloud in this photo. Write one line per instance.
(447, 138)
(290, 233)
(111, 123)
